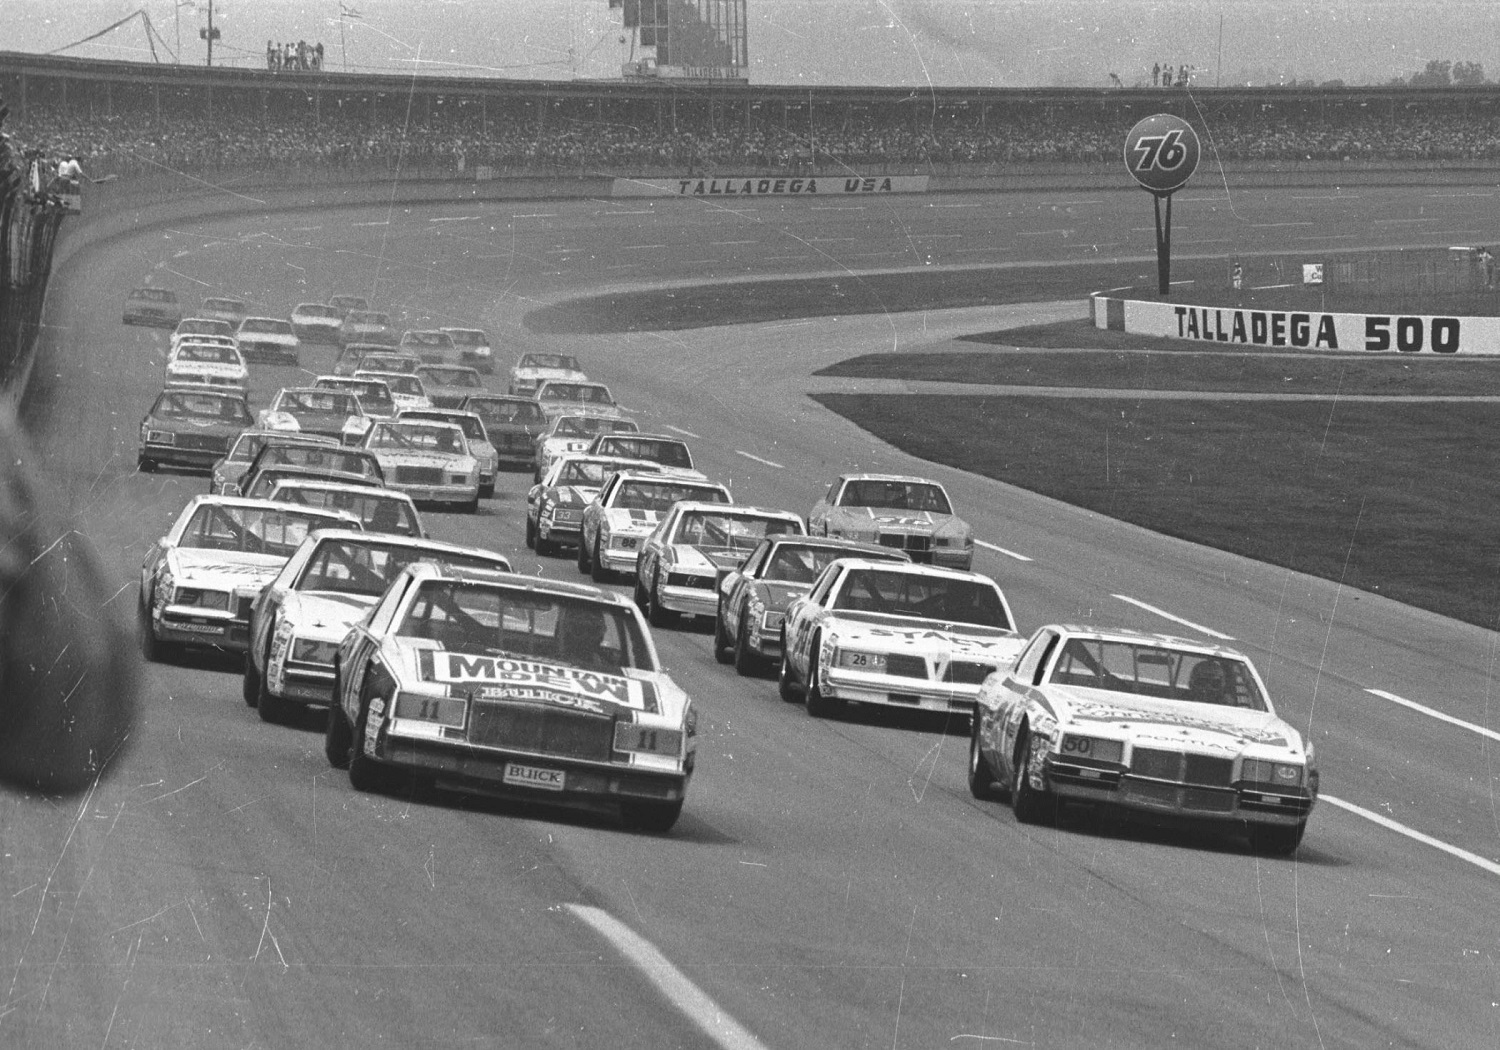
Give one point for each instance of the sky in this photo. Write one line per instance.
(948, 43)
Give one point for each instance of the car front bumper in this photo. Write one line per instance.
(895, 691)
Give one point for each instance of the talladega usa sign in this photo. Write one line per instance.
(810, 186)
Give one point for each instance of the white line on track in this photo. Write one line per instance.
(681, 992)
(454, 218)
(1433, 713)
(837, 207)
(536, 215)
(1335, 197)
(684, 433)
(642, 247)
(1072, 204)
(1412, 833)
(767, 462)
(1175, 619)
(721, 244)
(954, 205)
(1276, 225)
(970, 251)
(1001, 550)
(643, 211)
(380, 222)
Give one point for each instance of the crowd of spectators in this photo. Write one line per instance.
(293, 58)
(868, 139)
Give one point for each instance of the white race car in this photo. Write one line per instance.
(406, 390)
(193, 362)
(317, 322)
(474, 431)
(696, 543)
(1175, 730)
(473, 345)
(894, 510)
(560, 397)
(316, 410)
(199, 580)
(566, 434)
(626, 511)
(430, 462)
(894, 634)
(269, 339)
(555, 505)
(512, 685)
(532, 370)
(332, 580)
(210, 329)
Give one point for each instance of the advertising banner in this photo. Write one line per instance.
(775, 186)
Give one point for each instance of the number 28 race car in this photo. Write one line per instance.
(877, 632)
(1150, 724)
(512, 685)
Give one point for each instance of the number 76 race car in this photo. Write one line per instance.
(1175, 730)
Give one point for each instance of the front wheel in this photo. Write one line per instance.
(366, 773)
(250, 687)
(583, 556)
(1032, 805)
(747, 662)
(723, 647)
(786, 683)
(982, 781)
(818, 705)
(530, 534)
(1274, 840)
(338, 737)
(657, 614)
(544, 546)
(654, 817)
(598, 571)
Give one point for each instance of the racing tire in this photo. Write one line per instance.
(982, 781)
(487, 491)
(654, 817)
(1275, 841)
(747, 663)
(338, 737)
(786, 685)
(365, 773)
(598, 571)
(250, 684)
(723, 647)
(583, 556)
(145, 465)
(530, 534)
(272, 709)
(818, 705)
(1031, 805)
(472, 506)
(152, 650)
(656, 615)
(543, 547)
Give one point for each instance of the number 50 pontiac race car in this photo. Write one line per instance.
(1155, 725)
(512, 685)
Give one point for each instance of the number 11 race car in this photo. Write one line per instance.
(1175, 730)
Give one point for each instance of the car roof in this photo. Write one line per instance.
(914, 569)
(1130, 634)
(544, 585)
(854, 547)
(399, 540)
(913, 478)
(737, 509)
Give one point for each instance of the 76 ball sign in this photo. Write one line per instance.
(1161, 152)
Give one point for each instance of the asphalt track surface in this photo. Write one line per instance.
(831, 883)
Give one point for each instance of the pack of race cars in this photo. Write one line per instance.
(439, 665)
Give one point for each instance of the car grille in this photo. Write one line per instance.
(965, 672)
(905, 541)
(512, 441)
(419, 475)
(202, 442)
(542, 731)
(1181, 768)
(904, 666)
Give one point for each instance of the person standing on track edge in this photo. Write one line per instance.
(68, 669)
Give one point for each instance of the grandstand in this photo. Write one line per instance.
(131, 117)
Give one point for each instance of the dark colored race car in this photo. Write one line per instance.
(191, 428)
(157, 307)
(513, 424)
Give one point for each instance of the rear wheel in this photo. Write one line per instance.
(723, 647)
(530, 532)
(338, 736)
(981, 777)
(1274, 840)
(818, 705)
(366, 773)
(655, 817)
(786, 682)
(544, 547)
(1032, 805)
(747, 662)
(598, 571)
(583, 556)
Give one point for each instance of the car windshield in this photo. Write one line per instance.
(378, 511)
(703, 528)
(366, 566)
(154, 295)
(253, 529)
(367, 317)
(468, 337)
(417, 437)
(465, 377)
(650, 494)
(186, 404)
(560, 361)
(588, 393)
(895, 495)
(929, 597)
(794, 563)
(1157, 671)
(205, 352)
(585, 471)
(227, 306)
(588, 426)
(322, 402)
(428, 338)
(265, 326)
(317, 310)
(204, 326)
(666, 451)
(560, 630)
(498, 411)
(350, 461)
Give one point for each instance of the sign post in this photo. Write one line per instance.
(1161, 153)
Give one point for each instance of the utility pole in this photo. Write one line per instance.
(210, 34)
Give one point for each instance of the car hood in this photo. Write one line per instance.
(223, 570)
(199, 426)
(631, 694)
(1152, 722)
(448, 461)
(919, 521)
(325, 615)
(621, 520)
(574, 495)
(925, 637)
(778, 595)
(710, 560)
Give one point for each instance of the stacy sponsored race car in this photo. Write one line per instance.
(626, 511)
(898, 635)
(474, 431)
(532, 370)
(512, 685)
(893, 510)
(1174, 730)
(328, 584)
(681, 562)
(199, 580)
(753, 599)
(191, 428)
(555, 505)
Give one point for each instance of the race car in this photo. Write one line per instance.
(191, 363)
(351, 358)
(908, 513)
(560, 397)
(433, 346)
(191, 428)
(448, 385)
(1177, 731)
(378, 509)
(199, 580)
(473, 346)
(680, 563)
(335, 462)
(573, 434)
(532, 370)
(316, 410)
(367, 326)
(269, 339)
(344, 303)
(479, 440)
(193, 327)
(317, 322)
(894, 634)
(753, 599)
(513, 424)
(300, 617)
(224, 309)
(555, 505)
(156, 307)
(512, 685)
(430, 462)
(626, 511)
(670, 452)
(406, 389)
(374, 395)
(227, 472)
